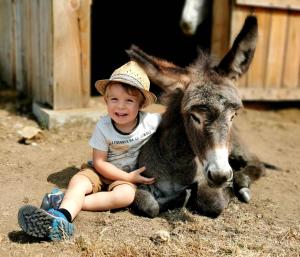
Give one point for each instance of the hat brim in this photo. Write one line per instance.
(100, 85)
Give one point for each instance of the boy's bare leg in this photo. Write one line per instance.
(74, 197)
(121, 196)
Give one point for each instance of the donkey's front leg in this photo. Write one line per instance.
(246, 168)
(145, 204)
(243, 178)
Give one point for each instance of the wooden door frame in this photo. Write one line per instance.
(71, 54)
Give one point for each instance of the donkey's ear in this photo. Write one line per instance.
(163, 73)
(238, 59)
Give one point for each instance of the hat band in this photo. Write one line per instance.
(131, 80)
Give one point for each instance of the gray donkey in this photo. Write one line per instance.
(195, 145)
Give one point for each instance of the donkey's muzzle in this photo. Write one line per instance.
(217, 169)
(217, 178)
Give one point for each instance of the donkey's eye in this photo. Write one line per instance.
(195, 118)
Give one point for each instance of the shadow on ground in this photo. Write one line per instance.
(62, 178)
(22, 238)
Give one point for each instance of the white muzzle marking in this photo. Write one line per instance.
(217, 163)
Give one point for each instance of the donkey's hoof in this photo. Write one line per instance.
(148, 211)
(245, 194)
(145, 204)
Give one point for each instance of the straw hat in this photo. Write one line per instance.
(132, 74)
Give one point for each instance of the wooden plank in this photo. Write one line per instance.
(42, 16)
(35, 49)
(220, 28)
(25, 53)
(71, 53)
(66, 55)
(46, 52)
(25, 48)
(85, 43)
(276, 48)
(7, 63)
(281, 4)
(275, 94)
(19, 31)
(257, 71)
(291, 65)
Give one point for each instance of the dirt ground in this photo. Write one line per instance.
(268, 226)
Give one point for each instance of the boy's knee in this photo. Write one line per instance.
(81, 181)
(124, 195)
(78, 178)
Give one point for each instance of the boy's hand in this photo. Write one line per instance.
(136, 177)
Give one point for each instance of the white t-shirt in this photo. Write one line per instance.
(123, 149)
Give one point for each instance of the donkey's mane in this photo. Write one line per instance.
(203, 62)
(205, 66)
(173, 102)
(172, 126)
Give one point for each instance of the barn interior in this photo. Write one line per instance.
(151, 25)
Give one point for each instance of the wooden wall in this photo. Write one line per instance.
(45, 48)
(7, 52)
(275, 71)
(33, 52)
(46, 51)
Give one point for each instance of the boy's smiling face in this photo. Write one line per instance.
(122, 107)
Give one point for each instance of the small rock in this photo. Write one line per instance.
(260, 216)
(161, 236)
(29, 132)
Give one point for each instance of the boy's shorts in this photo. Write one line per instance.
(99, 182)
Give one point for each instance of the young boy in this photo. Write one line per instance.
(116, 143)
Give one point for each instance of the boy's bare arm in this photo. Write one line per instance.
(110, 171)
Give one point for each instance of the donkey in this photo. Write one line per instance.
(195, 142)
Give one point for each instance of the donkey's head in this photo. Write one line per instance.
(209, 99)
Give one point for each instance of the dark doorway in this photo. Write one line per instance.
(152, 25)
